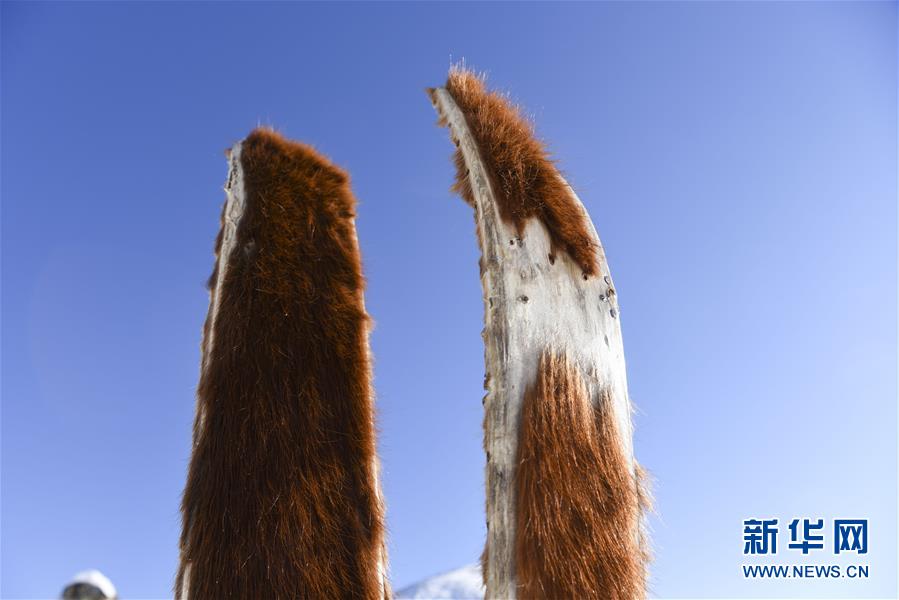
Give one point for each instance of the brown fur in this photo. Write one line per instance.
(525, 181)
(579, 500)
(282, 499)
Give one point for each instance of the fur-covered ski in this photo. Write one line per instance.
(282, 497)
(564, 495)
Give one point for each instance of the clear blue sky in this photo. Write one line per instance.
(739, 161)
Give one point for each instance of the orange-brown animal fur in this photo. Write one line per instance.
(525, 181)
(579, 501)
(281, 498)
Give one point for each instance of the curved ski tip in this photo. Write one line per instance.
(525, 181)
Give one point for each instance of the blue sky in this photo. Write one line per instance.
(739, 161)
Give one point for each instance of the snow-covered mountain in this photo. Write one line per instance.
(461, 584)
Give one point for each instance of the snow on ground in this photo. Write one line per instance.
(461, 584)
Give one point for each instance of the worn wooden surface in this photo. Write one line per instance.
(531, 304)
(234, 209)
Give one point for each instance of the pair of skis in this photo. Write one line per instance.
(283, 495)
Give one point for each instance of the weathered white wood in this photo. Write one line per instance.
(184, 590)
(531, 305)
(234, 209)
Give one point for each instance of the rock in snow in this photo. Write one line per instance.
(461, 584)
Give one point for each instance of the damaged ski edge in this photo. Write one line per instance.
(235, 198)
(231, 216)
(234, 208)
(499, 580)
(233, 212)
